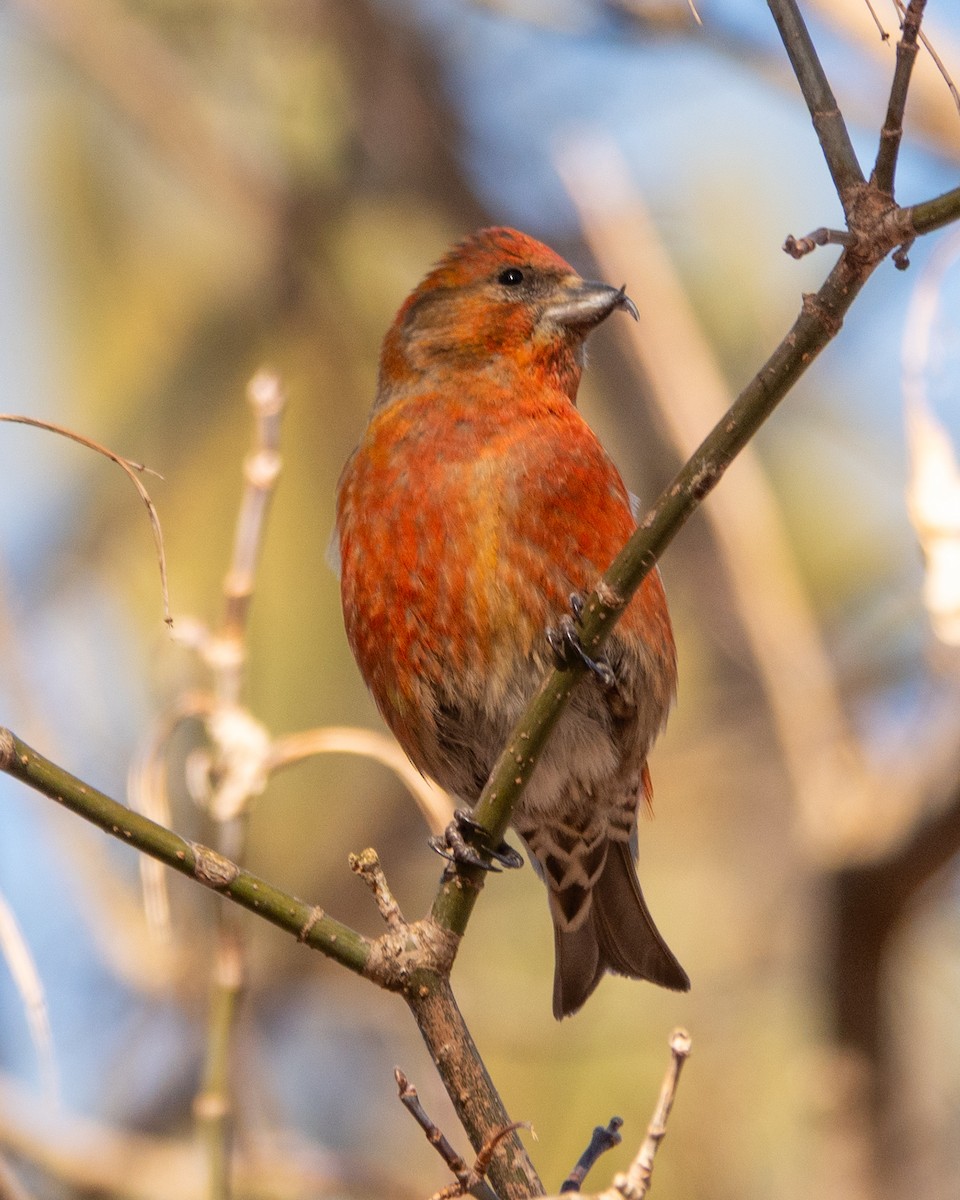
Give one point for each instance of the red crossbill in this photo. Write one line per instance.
(477, 503)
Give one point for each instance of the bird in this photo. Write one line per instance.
(477, 508)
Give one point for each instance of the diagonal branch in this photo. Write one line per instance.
(892, 132)
(824, 111)
(305, 921)
(414, 960)
(819, 321)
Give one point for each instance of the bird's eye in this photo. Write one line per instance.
(510, 277)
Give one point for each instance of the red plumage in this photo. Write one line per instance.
(477, 501)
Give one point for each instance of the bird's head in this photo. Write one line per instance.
(498, 302)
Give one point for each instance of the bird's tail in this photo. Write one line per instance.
(616, 933)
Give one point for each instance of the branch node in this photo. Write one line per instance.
(8, 749)
(316, 914)
(212, 869)
(901, 256)
(608, 597)
(407, 956)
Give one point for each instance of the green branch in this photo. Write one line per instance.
(819, 321)
(932, 214)
(306, 922)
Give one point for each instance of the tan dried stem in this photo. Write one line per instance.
(26, 979)
(292, 748)
(933, 488)
(635, 1184)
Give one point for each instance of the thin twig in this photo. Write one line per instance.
(410, 1099)
(604, 1138)
(635, 1184)
(366, 864)
(937, 60)
(147, 792)
(892, 132)
(800, 247)
(821, 102)
(470, 1181)
(198, 862)
(229, 770)
(131, 470)
(213, 1106)
(884, 36)
(261, 470)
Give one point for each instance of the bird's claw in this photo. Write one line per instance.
(452, 844)
(567, 648)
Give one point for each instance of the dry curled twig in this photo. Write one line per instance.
(130, 469)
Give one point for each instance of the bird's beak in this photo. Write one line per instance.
(580, 305)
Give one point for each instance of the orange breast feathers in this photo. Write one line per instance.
(463, 530)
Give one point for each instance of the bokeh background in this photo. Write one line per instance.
(192, 189)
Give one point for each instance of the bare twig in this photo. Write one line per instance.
(937, 60)
(799, 247)
(261, 469)
(213, 1106)
(892, 132)
(604, 1138)
(470, 1180)
(635, 1184)
(457, 1166)
(292, 748)
(884, 36)
(131, 470)
(225, 775)
(821, 102)
(366, 864)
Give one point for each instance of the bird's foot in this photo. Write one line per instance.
(453, 844)
(567, 648)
